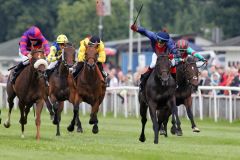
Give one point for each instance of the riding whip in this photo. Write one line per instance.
(138, 14)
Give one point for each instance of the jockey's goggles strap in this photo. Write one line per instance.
(91, 43)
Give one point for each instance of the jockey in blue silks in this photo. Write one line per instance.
(161, 42)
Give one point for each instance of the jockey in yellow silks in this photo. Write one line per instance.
(56, 52)
(92, 40)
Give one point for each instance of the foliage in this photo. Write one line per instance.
(77, 18)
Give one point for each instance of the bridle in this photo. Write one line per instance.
(161, 71)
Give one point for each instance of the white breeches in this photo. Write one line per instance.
(154, 60)
(23, 58)
(52, 64)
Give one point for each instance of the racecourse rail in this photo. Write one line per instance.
(213, 106)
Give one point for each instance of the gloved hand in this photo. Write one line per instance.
(173, 62)
(59, 57)
(134, 27)
(171, 56)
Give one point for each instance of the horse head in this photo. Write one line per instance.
(68, 56)
(163, 68)
(38, 60)
(191, 71)
(91, 55)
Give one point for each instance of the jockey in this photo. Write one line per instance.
(185, 50)
(30, 38)
(161, 42)
(56, 52)
(91, 40)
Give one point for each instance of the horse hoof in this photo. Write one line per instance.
(195, 129)
(80, 130)
(7, 125)
(142, 138)
(22, 136)
(173, 130)
(155, 142)
(55, 122)
(95, 129)
(70, 128)
(179, 133)
(165, 135)
(162, 132)
(57, 134)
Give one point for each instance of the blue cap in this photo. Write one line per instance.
(163, 36)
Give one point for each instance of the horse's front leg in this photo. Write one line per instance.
(143, 113)
(21, 121)
(93, 117)
(70, 128)
(10, 99)
(153, 114)
(50, 108)
(188, 105)
(39, 106)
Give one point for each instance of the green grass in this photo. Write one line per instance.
(117, 139)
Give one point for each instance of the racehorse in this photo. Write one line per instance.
(59, 89)
(90, 87)
(187, 80)
(158, 94)
(30, 88)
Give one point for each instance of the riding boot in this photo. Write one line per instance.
(78, 69)
(17, 70)
(104, 74)
(144, 78)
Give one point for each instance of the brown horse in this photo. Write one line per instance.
(90, 88)
(187, 79)
(30, 88)
(59, 89)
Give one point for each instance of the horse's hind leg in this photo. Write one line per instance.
(10, 99)
(143, 113)
(188, 105)
(49, 107)
(21, 121)
(175, 118)
(70, 128)
(58, 116)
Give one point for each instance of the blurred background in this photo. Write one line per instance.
(211, 27)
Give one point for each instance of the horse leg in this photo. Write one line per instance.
(188, 105)
(50, 108)
(21, 121)
(10, 99)
(93, 118)
(39, 106)
(165, 122)
(55, 110)
(70, 128)
(59, 111)
(153, 114)
(27, 109)
(78, 122)
(175, 118)
(143, 113)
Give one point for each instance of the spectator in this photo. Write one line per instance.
(204, 81)
(113, 79)
(236, 81)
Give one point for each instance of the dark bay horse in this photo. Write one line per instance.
(30, 88)
(187, 80)
(90, 87)
(159, 94)
(59, 85)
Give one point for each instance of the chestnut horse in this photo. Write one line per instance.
(90, 88)
(59, 89)
(30, 88)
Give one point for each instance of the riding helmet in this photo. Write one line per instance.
(62, 39)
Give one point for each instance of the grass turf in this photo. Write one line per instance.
(117, 139)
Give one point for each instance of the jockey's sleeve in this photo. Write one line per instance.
(51, 57)
(81, 52)
(23, 45)
(151, 35)
(101, 53)
(45, 45)
(192, 52)
(172, 48)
